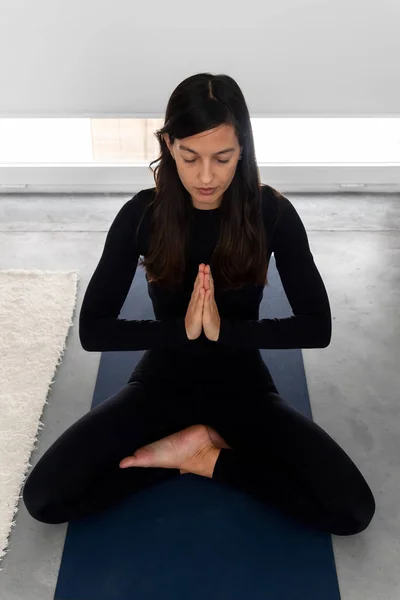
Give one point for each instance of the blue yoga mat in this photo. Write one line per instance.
(190, 538)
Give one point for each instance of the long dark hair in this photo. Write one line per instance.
(200, 103)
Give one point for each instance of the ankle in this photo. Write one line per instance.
(203, 465)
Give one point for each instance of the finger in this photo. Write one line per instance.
(196, 284)
(200, 300)
(210, 282)
(207, 277)
(199, 281)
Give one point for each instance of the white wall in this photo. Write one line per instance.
(124, 58)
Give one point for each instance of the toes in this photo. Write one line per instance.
(141, 458)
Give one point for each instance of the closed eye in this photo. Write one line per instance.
(192, 161)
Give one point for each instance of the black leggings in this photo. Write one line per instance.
(278, 456)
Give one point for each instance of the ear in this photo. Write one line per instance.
(167, 141)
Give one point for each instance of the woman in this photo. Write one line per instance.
(201, 399)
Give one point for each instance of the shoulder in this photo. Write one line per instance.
(131, 221)
(133, 215)
(273, 206)
(136, 206)
(284, 224)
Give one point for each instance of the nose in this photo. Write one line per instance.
(206, 177)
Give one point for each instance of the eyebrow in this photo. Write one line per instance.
(182, 147)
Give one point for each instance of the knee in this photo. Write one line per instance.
(38, 506)
(353, 517)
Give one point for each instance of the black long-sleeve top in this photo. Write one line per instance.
(242, 333)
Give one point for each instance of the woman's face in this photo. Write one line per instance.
(206, 168)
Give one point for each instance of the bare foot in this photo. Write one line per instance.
(180, 448)
(216, 439)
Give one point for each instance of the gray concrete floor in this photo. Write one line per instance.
(353, 384)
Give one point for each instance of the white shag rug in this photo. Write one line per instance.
(36, 310)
